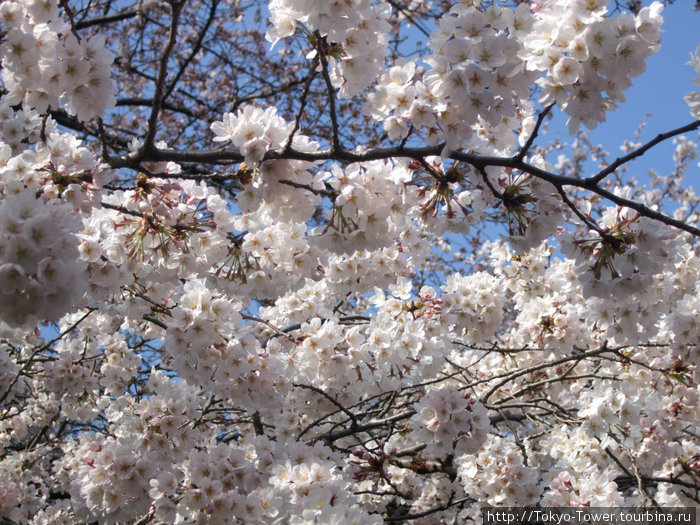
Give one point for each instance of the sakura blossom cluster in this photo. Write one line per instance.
(202, 348)
(399, 100)
(475, 92)
(473, 305)
(547, 300)
(371, 207)
(252, 130)
(475, 79)
(275, 245)
(533, 206)
(377, 269)
(449, 422)
(589, 59)
(497, 473)
(625, 253)
(44, 62)
(258, 480)
(18, 128)
(162, 229)
(568, 491)
(40, 270)
(356, 32)
(102, 473)
(289, 184)
(693, 97)
(327, 336)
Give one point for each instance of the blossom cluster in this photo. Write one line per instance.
(256, 481)
(44, 63)
(326, 336)
(475, 92)
(371, 207)
(579, 491)
(162, 228)
(625, 254)
(271, 184)
(693, 97)
(40, 270)
(201, 346)
(18, 128)
(589, 59)
(252, 130)
(473, 305)
(498, 474)
(377, 269)
(449, 422)
(357, 35)
(475, 77)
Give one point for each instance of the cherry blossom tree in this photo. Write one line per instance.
(320, 261)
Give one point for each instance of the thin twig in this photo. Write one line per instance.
(330, 398)
(428, 512)
(195, 49)
(321, 48)
(531, 139)
(28, 363)
(595, 179)
(302, 104)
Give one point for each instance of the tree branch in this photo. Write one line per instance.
(480, 162)
(595, 179)
(106, 19)
(158, 97)
(302, 104)
(321, 49)
(531, 139)
(148, 102)
(195, 49)
(353, 418)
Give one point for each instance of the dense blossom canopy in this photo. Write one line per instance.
(318, 261)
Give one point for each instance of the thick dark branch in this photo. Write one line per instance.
(480, 162)
(155, 321)
(645, 211)
(278, 331)
(148, 102)
(370, 425)
(107, 19)
(587, 184)
(672, 481)
(307, 188)
(71, 16)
